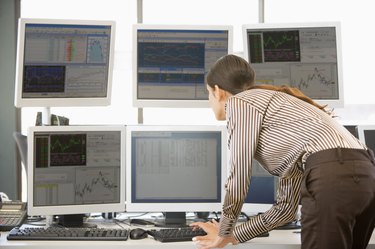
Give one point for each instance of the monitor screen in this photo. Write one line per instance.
(262, 191)
(306, 56)
(64, 63)
(175, 168)
(352, 129)
(75, 169)
(366, 134)
(171, 63)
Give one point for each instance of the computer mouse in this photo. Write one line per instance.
(138, 233)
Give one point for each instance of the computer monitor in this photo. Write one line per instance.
(75, 169)
(302, 55)
(170, 63)
(352, 129)
(262, 191)
(64, 63)
(366, 134)
(175, 169)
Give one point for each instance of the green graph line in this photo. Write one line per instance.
(63, 146)
(284, 39)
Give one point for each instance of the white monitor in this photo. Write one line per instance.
(307, 56)
(366, 134)
(170, 63)
(175, 168)
(64, 63)
(76, 169)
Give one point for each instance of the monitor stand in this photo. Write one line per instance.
(46, 118)
(173, 219)
(73, 220)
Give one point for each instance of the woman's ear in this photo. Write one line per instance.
(220, 94)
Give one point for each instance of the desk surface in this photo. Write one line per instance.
(280, 239)
(277, 239)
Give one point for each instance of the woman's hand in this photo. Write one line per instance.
(212, 239)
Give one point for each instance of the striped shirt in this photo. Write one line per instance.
(280, 131)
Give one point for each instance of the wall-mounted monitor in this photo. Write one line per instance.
(175, 169)
(307, 56)
(170, 63)
(76, 169)
(366, 134)
(64, 63)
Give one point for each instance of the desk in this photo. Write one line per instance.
(278, 239)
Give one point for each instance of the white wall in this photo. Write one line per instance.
(8, 163)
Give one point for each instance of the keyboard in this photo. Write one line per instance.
(175, 234)
(62, 233)
(181, 234)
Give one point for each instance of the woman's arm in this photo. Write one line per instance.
(283, 211)
(243, 124)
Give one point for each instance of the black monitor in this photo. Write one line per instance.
(262, 191)
(352, 129)
(262, 195)
(366, 134)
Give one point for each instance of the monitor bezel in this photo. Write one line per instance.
(338, 103)
(172, 103)
(352, 126)
(361, 131)
(20, 101)
(74, 209)
(174, 206)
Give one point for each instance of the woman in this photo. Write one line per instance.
(297, 140)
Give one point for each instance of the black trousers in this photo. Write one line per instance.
(338, 199)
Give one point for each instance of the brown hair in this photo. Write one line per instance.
(234, 74)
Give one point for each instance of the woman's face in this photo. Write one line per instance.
(217, 102)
